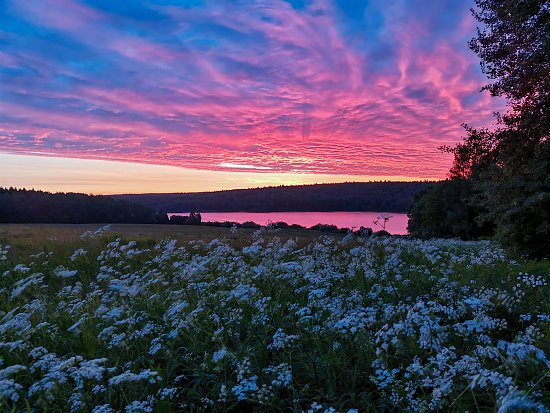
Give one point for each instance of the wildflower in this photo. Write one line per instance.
(129, 377)
(219, 355)
(62, 272)
(281, 340)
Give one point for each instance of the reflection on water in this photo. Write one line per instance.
(396, 224)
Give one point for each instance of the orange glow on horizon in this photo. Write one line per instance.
(108, 177)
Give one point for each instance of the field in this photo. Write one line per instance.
(30, 238)
(227, 320)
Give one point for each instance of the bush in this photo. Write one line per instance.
(445, 210)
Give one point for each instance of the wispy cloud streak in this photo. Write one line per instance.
(310, 86)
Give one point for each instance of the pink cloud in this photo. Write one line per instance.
(266, 85)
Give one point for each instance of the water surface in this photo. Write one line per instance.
(397, 224)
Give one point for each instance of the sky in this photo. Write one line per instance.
(105, 96)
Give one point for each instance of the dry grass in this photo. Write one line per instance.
(33, 238)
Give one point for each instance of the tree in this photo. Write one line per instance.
(443, 210)
(509, 168)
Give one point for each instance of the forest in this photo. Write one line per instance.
(369, 196)
(31, 206)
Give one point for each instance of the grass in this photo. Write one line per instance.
(26, 239)
(249, 321)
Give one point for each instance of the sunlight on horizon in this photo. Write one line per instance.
(110, 177)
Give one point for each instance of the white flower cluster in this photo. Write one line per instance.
(97, 233)
(4, 249)
(329, 326)
(282, 340)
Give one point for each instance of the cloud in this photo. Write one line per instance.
(242, 166)
(367, 88)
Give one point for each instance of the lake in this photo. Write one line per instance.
(397, 224)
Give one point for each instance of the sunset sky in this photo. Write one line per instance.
(197, 95)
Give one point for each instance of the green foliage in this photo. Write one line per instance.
(445, 210)
(519, 205)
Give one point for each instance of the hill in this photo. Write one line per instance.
(368, 196)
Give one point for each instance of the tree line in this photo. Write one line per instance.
(31, 206)
(369, 196)
(499, 184)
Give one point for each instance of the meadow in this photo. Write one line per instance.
(241, 320)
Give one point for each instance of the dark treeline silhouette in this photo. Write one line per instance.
(194, 218)
(30, 206)
(370, 196)
(362, 231)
